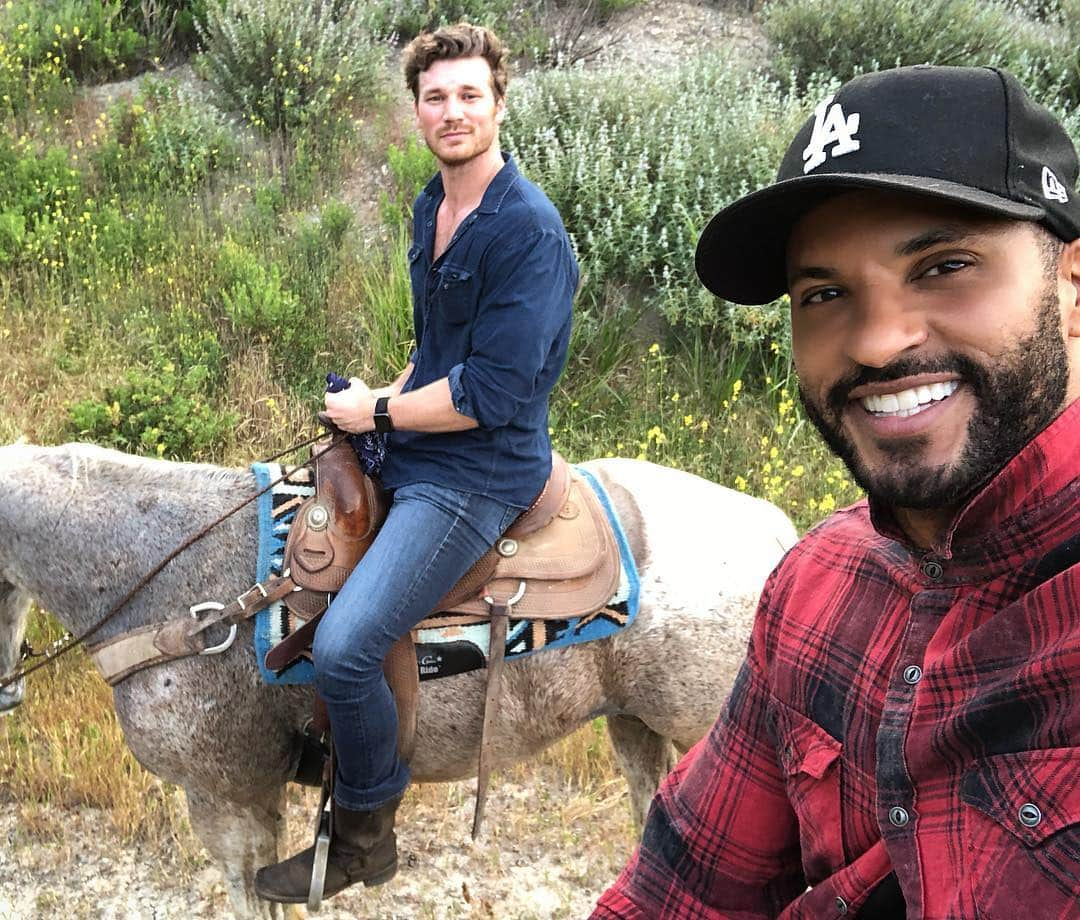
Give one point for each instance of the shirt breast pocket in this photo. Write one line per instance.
(810, 760)
(1023, 827)
(455, 296)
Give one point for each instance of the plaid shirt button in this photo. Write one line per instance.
(898, 817)
(1030, 815)
(841, 906)
(932, 570)
(912, 674)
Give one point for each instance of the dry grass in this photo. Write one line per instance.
(64, 747)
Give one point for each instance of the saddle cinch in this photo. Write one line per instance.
(558, 560)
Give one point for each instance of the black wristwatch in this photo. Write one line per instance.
(383, 423)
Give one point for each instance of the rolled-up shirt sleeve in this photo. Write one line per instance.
(521, 329)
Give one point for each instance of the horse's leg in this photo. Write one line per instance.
(644, 757)
(241, 839)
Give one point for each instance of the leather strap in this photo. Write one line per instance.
(500, 616)
(183, 637)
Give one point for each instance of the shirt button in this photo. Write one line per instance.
(841, 906)
(932, 570)
(429, 223)
(1030, 815)
(898, 817)
(912, 674)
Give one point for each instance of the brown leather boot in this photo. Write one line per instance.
(363, 848)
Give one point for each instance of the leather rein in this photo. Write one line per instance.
(65, 644)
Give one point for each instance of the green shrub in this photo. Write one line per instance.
(637, 166)
(30, 77)
(259, 306)
(165, 137)
(410, 166)
(161, 409)
(168, 25)
(287, 66)
(841, 38)
(86, 39)
(406, 18)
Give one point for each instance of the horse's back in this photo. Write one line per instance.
(693, 528)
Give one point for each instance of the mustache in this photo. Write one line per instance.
(967, 369)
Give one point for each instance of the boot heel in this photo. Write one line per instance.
(388, 873)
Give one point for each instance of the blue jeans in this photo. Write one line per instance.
(431, 537)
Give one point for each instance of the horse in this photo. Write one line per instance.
(79, 525)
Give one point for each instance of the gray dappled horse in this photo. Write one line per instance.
(79, 525)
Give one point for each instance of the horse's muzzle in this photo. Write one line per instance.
(10, 697)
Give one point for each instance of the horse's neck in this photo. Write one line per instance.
(79, 526)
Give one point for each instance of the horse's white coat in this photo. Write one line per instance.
(79, 525)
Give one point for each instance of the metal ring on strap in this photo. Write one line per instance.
(229, 640)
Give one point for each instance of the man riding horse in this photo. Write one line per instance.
(493, 277)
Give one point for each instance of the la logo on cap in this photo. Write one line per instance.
(1053, 190)
(830, 127)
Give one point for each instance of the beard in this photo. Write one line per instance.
(1016, 397)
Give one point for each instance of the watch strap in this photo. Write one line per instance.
(383, 423)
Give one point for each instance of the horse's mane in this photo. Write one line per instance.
(81, 462)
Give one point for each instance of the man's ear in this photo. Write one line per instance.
(1070, 269)
(500, 110)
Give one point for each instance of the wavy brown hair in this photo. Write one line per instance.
(457, 41)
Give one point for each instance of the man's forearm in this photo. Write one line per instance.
(430, 409)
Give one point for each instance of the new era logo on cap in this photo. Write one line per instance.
(1053, 190)
(830, 127)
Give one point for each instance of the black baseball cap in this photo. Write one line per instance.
(966, 134)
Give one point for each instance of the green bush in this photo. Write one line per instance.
(168, 25)
(841, 38)
(86, 39)
(407, 18)
(410, 166)
(636, 166)
(166, 138)
(287, 66)
(162, 409)
(30, 77)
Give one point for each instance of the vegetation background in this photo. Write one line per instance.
(204, 207)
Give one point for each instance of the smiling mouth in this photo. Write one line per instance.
(908, 402)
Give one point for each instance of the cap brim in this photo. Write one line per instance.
(741, 254)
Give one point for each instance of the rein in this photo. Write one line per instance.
(65, 644)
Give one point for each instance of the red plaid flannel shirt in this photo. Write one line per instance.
(903, 717)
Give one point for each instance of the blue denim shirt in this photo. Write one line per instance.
(492, 314)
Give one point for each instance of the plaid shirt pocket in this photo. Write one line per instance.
(810, 759)
(1023, 833)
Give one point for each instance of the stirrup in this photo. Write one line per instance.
(322, 835)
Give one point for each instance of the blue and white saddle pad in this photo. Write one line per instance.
(447, 650)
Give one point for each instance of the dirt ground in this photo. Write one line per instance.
(548, 850)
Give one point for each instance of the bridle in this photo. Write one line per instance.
(67, 642)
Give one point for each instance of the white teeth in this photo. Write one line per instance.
(909, 402)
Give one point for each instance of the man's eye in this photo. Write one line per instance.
(821, 295)
(946, 267)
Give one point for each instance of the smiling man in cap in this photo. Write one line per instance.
(904, 737)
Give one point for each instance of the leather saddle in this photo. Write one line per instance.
(558, 560)
(562, 549)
